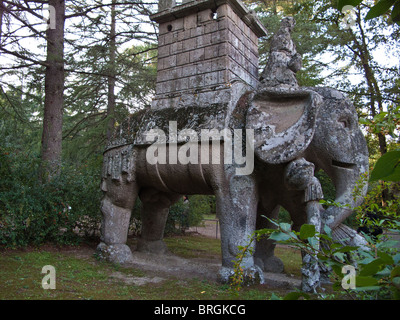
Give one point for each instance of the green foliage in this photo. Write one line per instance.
(328, 188)
(176, 217)
(284, 215)
(382, 7)
(241, 277)
(386, 208)
(138, 73)
(377, 268)
(387, 167)
(183, 215)
(387, 215)
(385, 122)
(32, 213)
(19, 125)
(342, 3)
(199, 205)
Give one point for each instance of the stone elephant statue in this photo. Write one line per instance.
(337, 146)
(256, 150)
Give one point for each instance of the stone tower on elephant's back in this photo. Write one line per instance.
(207, 52)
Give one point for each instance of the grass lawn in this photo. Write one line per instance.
(80, 276)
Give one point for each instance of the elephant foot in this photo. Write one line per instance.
(156, 247)
(115, 253)
(251, 276)
(271, 264)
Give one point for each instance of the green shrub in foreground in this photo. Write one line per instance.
(32, 213)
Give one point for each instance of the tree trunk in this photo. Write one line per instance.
(373, 86)
(111, 76)
(2, 9)
(54, 90)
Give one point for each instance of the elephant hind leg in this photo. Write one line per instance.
(154, 214)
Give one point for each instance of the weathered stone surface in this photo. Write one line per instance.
(251, 276)
(349, 160)
(203, 47)
(284, 61)
(116, 253)
(156, 247)
(165, 4)
(296, 131)
(270, 264)
(134, 130)
(283, 121)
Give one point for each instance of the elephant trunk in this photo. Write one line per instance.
(351, 187)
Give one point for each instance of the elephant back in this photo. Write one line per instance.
(135, 128)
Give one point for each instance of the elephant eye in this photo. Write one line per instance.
(345, 123)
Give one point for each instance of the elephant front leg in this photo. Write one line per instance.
(116, 208)
(236, 209)
(154, 213)
(310, 269)
(299, 175)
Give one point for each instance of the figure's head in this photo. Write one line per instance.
(288, 23)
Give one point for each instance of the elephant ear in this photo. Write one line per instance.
(283, 123)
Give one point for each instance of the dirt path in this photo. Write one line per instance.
(209, 229)
(202, 268)
(159, 268)
(162, 267)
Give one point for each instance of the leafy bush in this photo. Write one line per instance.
(176, 217)
(187, 214)
(34, 213)
(199, 205)
(377, 268)
(385, 214)
(181, 216)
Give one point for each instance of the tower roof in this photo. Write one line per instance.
(187, 8)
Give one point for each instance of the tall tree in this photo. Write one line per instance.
(96, 32)
(2, 9)
(359, 47)
(54, 93)
(111, 76)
